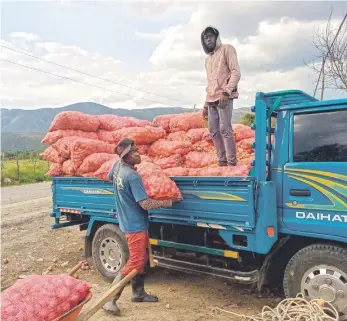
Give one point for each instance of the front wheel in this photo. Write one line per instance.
(319, 271)
(109, 251)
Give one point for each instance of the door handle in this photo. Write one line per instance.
(300, 192)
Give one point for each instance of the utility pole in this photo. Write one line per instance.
(194, 107)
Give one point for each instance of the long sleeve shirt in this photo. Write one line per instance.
(223, 73)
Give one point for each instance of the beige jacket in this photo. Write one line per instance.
(223, 71)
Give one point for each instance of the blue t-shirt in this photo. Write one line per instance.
(129, 190)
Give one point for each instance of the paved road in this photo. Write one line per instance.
(27, 202)
(15, 194)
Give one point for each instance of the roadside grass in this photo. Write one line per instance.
(29, 172)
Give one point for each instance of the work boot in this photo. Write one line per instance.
(111, 306)
(222, 164)
(139, 293)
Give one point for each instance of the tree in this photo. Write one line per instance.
(247, 119)
(331, 61)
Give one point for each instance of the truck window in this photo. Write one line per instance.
(320, 137)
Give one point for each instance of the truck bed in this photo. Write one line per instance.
(206, 200)
(227, 204)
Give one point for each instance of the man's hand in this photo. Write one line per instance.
(223, 100)
(205, 112)
(175, 201)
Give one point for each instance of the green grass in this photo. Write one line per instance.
(27, 174)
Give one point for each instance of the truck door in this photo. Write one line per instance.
(315, 178)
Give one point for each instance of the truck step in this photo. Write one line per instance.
(194, 268)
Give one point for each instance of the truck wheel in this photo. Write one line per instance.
(319, 271)
(109, 251)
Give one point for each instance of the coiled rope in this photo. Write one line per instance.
(294, 309)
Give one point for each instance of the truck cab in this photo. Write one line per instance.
(286, 223)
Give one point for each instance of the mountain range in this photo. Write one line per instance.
(23, 129)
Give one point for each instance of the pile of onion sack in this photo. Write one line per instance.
(171, 145)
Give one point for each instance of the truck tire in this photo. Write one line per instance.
(319, 271)
(109, 251)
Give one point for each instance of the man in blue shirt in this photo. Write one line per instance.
(132, 206)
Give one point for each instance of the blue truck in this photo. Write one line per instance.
(286, 223)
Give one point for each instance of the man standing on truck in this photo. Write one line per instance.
(223, 75)
(132, 206)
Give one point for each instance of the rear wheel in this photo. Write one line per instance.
(319, 271)
(109, 251)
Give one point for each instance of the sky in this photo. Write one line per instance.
(149, 53)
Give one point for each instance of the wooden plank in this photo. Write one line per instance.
(96, 304)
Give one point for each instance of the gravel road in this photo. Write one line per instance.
(30, 246)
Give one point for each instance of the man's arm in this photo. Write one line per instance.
(141, 197)
(233, 64)
(110, 174)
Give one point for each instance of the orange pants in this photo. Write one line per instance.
(138, 244)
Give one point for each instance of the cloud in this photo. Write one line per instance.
(149, 36)
(272, 41)
(39, 89)
(28, 36)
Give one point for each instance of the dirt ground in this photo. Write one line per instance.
(30, 246)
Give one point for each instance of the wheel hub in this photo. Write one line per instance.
(327, 283)
(110, 255)
(327, 293)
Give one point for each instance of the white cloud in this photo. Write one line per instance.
(271, 47)
(149, 36)
(28, 36)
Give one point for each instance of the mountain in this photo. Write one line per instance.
(38, 120)
(13, 142)
(24, 129)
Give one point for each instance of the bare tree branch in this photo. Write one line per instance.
(331, 46)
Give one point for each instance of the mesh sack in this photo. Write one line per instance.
(242, 132)
(114, 122)
(197, 134)
(180, 136)
(158, 185)
(42, 297)
(53, 137)
(84, 147)
(200, 159)
(141, 135)
(209, 171)
(186, 121)
(204, 146)
(52, 155)
(55, 169)
(94, 161)
(68, 168)
(64, 145)
(75, 120)
(165, 148)
(169, 162)
(163, 121)
(176, 171)
(106, 136)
